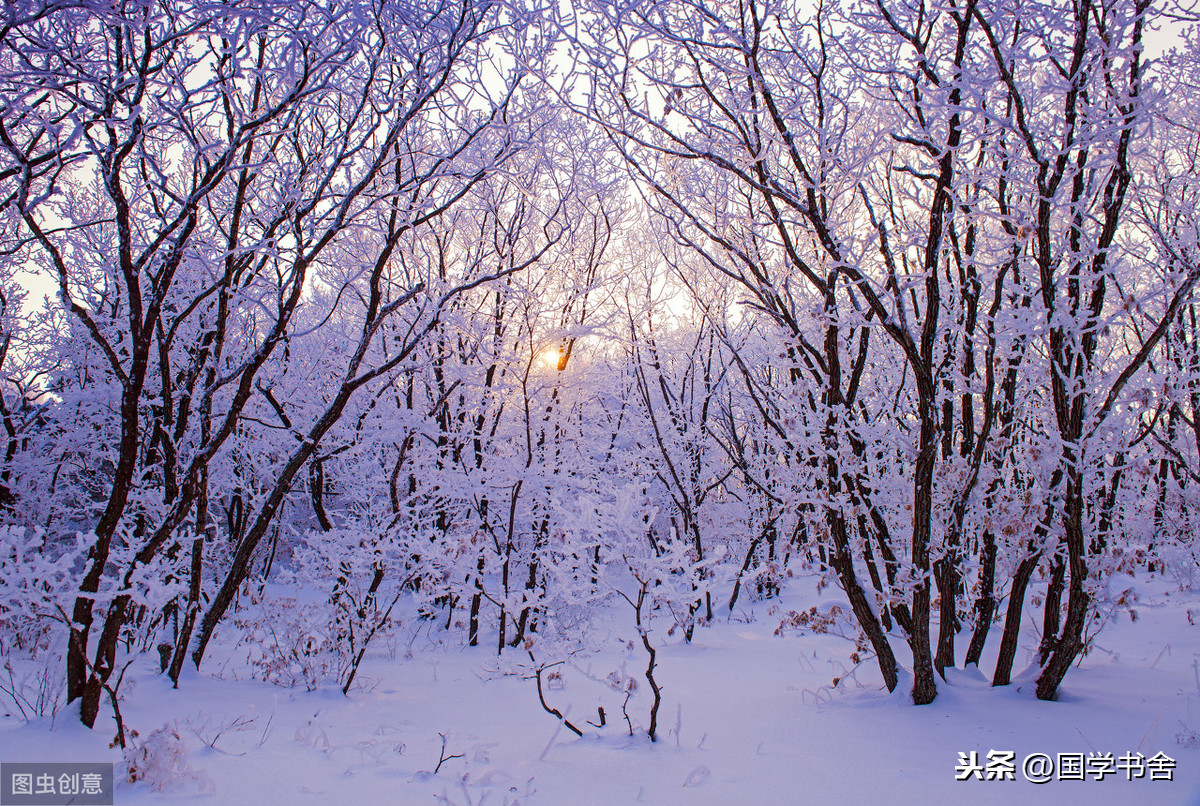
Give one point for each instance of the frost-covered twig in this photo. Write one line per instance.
(442, 757)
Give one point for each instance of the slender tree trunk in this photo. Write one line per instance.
(1052, 615)
(1002, 675)
(985, 603)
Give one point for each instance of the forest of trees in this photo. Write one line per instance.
(519, 310)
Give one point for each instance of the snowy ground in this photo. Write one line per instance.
(747, 717)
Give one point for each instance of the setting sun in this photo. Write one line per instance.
(553, 356)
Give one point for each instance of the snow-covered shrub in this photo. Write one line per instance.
(36, 588)
(36, 687)
(352, 576)
(289, 641)
(161, 761)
